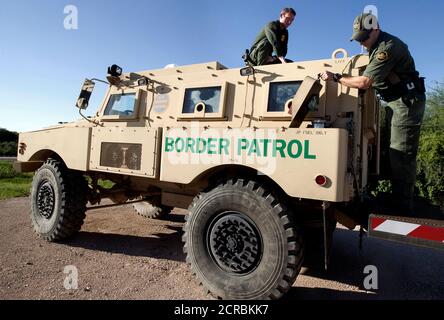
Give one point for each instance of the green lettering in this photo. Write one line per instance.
(179, 144)
(169, 144)
(223, 144)
(279, 145)
(190, 145)
(242, 145)
(254, 148)
(265, 148)
(298, 152)
(307, 154)
(201, 145)
(211, 146)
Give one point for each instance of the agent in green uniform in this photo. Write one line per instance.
(391, 71)
(273, 38)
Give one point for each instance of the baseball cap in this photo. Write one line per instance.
(363, 25)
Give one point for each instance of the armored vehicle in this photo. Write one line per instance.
(266, 160)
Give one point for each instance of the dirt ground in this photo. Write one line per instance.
(120, 255)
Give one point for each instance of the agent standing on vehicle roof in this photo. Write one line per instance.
(391, 71)
(273, 38)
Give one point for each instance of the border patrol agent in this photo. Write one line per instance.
(272, 38)
(391, 71)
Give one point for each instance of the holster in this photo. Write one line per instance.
(408, 88)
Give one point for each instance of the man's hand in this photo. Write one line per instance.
(326, 76)
(282, 59)
(358, 82)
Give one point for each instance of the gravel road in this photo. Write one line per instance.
(120, 255)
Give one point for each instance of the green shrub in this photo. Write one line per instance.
(430, 159)
(6, 170)
(430, 178)
(8, 149)
(8, 143)
(13, 184)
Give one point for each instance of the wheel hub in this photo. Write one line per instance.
(45, 200)
(234, 242)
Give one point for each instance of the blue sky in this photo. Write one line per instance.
(43, 65)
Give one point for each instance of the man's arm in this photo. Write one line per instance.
(284, 48)
(359, 82)
(272, 36)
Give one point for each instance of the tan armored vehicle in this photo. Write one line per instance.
(266, 160)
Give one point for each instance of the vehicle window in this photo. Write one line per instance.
(210, 96)
(280, 93)
(121, 105)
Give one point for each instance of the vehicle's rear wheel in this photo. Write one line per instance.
(58, 201)
(152, 209)
(240, 242)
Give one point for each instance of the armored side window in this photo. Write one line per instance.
(280, 93)
(209, 97)
(121, 105)
(201, 102)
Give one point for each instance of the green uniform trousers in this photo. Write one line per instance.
(261, 53)
(399, 146)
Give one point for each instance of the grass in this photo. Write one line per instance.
(15, 187)
(13, 184)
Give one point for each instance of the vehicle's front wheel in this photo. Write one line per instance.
(241, 243)
(58, 201)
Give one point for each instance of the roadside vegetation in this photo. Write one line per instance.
(430, 160)
(8, 143)
(13, 184)
(430, 180)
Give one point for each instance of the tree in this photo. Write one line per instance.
(430, 175)
(434, 114)
(7, 136)
(8, 143)
(8, 149)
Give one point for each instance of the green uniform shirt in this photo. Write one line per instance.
(389, 54)
(270, 39)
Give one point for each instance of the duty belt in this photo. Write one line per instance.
(408, 89)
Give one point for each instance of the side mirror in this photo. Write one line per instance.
(85, 94)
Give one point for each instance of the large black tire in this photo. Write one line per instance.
(241, 243)
(148, 209)
(58, 201)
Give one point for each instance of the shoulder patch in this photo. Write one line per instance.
(283, 38)
(382, 56)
